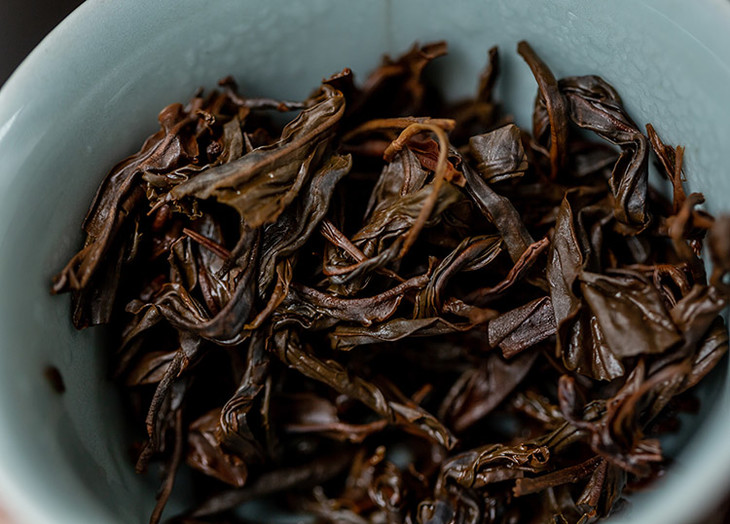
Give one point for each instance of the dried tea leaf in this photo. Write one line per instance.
(306, 314)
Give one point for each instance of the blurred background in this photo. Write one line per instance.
(23, 24)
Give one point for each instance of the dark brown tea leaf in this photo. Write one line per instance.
(395, 309)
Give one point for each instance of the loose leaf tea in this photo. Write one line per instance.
(400, 310)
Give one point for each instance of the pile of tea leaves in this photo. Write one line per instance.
(396, 309)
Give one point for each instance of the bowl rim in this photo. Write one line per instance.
(706, 474)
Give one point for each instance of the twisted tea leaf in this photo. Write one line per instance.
(311, 312)
(263, 182)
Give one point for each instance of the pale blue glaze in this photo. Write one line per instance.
(90, 93)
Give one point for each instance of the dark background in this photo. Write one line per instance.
(23, 24)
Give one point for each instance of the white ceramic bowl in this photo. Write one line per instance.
(90, 92)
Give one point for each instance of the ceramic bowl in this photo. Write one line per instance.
(90, 93)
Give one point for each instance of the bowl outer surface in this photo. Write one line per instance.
(89, 94)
